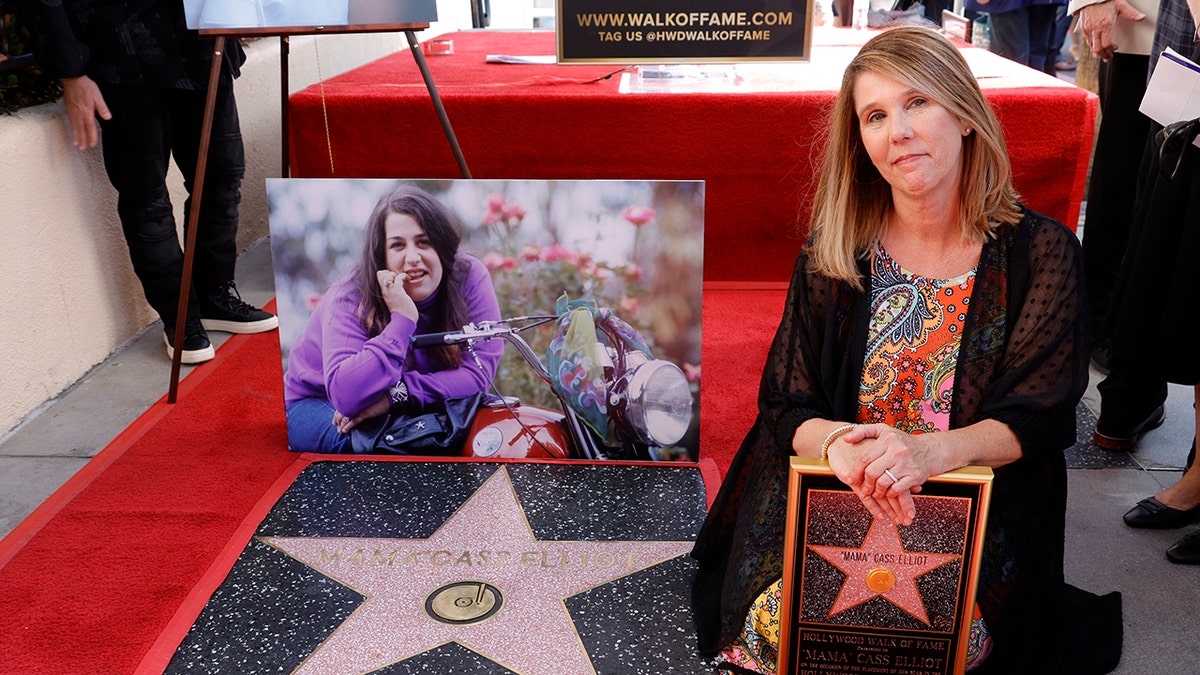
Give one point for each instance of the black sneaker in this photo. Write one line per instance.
(224, 310)
(196, 347)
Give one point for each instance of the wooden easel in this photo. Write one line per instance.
(214, 75)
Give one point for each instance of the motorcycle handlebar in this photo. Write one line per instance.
(437, 339)
(485, 331)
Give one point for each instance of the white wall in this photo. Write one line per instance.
(68, 295)
(506, 14)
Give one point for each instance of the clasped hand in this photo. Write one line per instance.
(868, 458)
(344, 424)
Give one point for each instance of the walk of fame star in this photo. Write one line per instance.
(481, 580)
(882, 567)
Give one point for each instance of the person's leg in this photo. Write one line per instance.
(310, 427)
(220, 306)
(136, 151)
(1185, 494)
(1041, 38)
(1010, 35)
(225, 166)
(1062, 24)
(1112, 192)
(1131, 403)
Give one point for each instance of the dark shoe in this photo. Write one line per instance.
(1186, 551)
(1153, 514)
(1124, 440)
(224, 310)
(1100, 357)
(196, 347)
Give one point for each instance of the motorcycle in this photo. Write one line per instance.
(647, 402)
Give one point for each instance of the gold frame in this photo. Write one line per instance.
(880, 643)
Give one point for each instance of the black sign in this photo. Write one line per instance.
(683, 31)
(861, 595)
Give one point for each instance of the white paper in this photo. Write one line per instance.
(1173, 93)
(540, 59)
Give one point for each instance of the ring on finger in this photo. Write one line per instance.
(889, 474)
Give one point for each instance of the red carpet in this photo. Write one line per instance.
(90, 580)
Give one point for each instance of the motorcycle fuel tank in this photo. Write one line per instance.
(525, 432)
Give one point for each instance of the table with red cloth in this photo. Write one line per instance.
(756, 143)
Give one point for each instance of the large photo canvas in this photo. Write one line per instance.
(296, 15)
(630, 249)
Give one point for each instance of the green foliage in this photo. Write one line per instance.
(22, 84)
(529, 278)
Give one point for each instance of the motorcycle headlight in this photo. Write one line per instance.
(659, 403)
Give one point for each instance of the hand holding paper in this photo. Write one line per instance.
(1173, 93)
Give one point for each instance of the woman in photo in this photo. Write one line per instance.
(354, 360)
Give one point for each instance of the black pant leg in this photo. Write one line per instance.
(1112, 192)
(216, 237)
(136, 154)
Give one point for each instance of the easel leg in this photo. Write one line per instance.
(189, 253)
(284, 47)
(437, 102)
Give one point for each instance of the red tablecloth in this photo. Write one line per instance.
(756, 147)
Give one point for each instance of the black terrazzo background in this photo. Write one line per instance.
(272, 611)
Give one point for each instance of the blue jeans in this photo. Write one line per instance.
(310, 427)
(1025, 36)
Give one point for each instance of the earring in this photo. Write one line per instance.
(967, 131)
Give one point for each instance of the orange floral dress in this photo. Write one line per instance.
(908, 378)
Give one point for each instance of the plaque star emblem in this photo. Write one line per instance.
(482, 580)
(882, 567)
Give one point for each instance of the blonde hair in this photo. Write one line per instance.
(852, 199)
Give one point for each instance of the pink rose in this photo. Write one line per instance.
(638, 215)
(513, 212)
(494, 261)
(557, 253)
(531, 252)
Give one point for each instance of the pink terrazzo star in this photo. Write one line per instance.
(882, 553)
(488, 548)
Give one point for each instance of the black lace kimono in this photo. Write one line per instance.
(1023, 362)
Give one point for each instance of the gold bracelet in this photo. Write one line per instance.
(833, 435)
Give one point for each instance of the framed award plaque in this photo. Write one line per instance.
(862, 595)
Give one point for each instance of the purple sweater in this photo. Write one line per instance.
(334, 358)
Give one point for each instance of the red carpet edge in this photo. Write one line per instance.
(15, 540)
